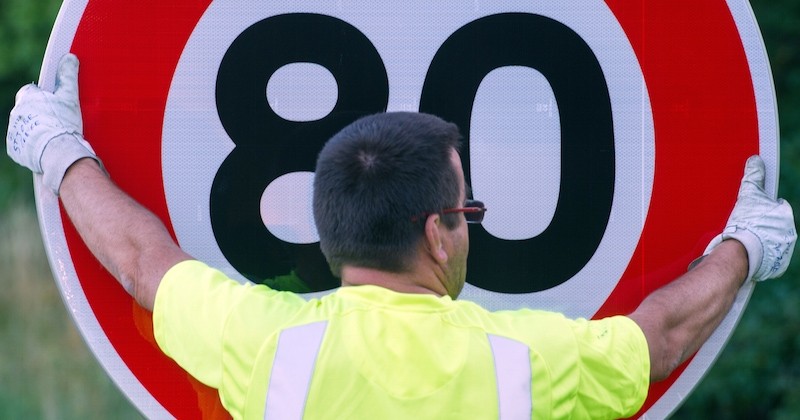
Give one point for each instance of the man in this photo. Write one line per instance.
(391, 207)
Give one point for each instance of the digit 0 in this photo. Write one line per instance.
(587, 142)
(268, 146)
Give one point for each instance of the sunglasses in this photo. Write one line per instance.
(473, 210)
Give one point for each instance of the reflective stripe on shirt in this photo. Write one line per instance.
(292, 369)
(513, 370)
(296, 355)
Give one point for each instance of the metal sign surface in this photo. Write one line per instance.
(608, 139)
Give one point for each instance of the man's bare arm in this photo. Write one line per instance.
(756, 244)
(678, 318)
(45, 135)
(130, 241)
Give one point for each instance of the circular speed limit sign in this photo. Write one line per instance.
(607, 138)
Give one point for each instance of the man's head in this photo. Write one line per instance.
(375, 178)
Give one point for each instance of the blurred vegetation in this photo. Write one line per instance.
(46, 370)
(24, 29)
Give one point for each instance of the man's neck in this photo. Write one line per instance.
(410, 282)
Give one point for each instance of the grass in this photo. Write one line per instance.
(46, 369)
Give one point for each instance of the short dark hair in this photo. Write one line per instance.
(373, 178)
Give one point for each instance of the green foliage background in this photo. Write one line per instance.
(46, 370)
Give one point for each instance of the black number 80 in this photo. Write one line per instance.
(268, 146)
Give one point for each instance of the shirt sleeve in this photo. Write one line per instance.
(594, 369)
(191, 307)
(614, 364)
(214, 327)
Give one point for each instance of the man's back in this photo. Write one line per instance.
(365, 350)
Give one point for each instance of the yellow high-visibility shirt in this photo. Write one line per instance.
(368, 352)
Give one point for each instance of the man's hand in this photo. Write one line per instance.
(45, 130)
(764, 226)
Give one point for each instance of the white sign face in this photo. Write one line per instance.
(589, 132)
(515, 125)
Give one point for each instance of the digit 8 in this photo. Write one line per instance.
(268, 146)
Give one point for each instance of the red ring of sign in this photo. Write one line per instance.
(130, 50)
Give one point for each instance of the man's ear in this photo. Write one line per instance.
(434, 238)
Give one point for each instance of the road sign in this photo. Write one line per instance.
(608, 139)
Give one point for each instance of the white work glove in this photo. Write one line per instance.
(45, 130)
(764, 226)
